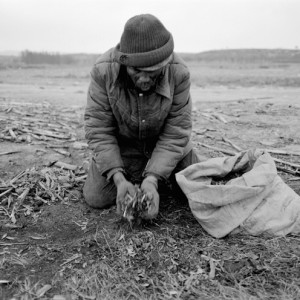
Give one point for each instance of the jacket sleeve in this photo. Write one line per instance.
(100, 124)
(176, 133)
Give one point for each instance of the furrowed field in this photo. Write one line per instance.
(53, 246)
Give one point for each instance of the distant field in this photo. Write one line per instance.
(246, 75)
(246, 56)
(243, 68)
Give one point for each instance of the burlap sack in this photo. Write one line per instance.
(257, 201)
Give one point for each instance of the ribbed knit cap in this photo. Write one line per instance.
(145, 42)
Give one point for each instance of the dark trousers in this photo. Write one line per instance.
(100, 193)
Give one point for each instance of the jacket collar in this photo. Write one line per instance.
(162, 87)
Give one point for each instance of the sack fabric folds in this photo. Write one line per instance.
(255, 201)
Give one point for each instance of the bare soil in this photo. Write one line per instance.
(67, 250)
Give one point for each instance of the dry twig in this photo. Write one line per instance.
(9, 152)
(228, 152)
(282, 152)
(232, 144)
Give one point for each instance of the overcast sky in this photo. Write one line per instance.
(94, 26)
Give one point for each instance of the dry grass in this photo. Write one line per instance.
(174, 259)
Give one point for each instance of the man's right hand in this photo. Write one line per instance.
(124, 187)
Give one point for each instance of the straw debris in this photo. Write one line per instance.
(32, 188)
(135, 207)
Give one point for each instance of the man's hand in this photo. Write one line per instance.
(149, 188)
(124, 187)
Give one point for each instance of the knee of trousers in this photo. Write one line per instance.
(100, 199)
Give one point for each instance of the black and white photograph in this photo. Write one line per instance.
(149, 150)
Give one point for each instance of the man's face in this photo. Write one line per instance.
(143, 80)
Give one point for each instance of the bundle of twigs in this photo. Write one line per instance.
(135, 206)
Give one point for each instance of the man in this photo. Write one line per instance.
(138, 117)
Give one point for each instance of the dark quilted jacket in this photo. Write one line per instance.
(158, 124)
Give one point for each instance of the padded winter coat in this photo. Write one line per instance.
(157, 125)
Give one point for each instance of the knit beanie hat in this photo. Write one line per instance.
(145, 42)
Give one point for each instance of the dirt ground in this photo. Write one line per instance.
(62, 249)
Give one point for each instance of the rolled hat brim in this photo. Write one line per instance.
(145, 59)
(157, 66)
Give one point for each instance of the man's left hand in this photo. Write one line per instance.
(149, 188)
